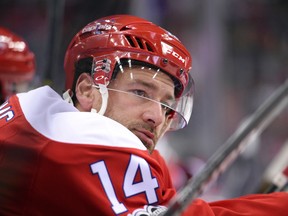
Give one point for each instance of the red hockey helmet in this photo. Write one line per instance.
(17, 62)
(110, 39)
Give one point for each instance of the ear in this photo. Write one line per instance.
(84, 92)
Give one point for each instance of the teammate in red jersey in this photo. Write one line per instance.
(17, 64)
(92, 153)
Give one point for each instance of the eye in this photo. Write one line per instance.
(139, 92)
(167, 110)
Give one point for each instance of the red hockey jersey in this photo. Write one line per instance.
(55, 160)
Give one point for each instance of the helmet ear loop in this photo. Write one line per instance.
(104, 95)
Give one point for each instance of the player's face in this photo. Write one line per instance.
(137, 100)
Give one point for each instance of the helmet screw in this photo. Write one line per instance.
(165, 61)
(181, 71)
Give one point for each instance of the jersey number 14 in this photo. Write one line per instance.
(148, 184)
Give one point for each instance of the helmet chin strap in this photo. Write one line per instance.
(104, 94)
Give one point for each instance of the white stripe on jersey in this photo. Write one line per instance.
(54, 118)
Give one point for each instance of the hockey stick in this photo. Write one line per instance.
(226, 154)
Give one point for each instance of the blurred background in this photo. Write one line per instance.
(239, 50)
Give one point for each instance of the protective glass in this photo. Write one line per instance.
(144, 84)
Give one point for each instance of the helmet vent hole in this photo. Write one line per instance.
(149, 48)
(139, 43)
(132, 42)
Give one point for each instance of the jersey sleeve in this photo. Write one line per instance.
(255, 204)
(259, 204)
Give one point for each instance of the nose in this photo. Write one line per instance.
(153, 113)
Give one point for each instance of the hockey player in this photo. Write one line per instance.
(92, 153)
(17, 64)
